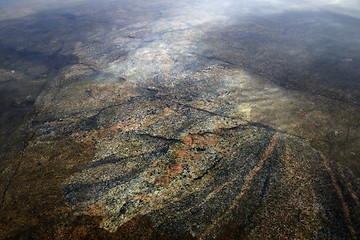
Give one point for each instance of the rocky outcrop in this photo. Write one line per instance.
(179, 120)
(262, 182)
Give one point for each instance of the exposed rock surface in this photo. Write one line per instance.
(163, 120)
(262, 182)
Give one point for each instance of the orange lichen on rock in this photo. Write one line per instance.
(163, 181)
(126, 125)
(197, 140)
(175, 169)
(183, 154)
(188, 140)
(171, 171)
(197, 156)
(212, 141)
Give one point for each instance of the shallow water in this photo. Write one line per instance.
(126, 84)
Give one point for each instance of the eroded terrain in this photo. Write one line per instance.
(162, 120)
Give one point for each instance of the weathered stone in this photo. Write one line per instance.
(179, 120)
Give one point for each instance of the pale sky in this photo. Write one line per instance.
(19, 8)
